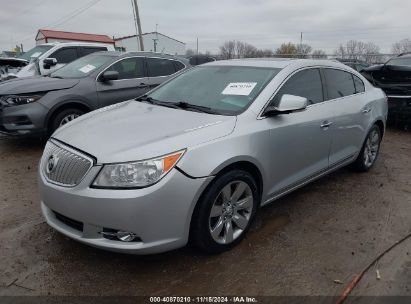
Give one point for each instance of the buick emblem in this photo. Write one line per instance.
(51, 164)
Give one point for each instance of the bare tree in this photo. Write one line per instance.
(303, 50)
(402, 46)
(319, 54)
(227, 50)
(287, 50)
(358, 50)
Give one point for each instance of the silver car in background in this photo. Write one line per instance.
(196, 157)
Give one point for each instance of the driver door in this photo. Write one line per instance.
(131, 83)
(300, 141)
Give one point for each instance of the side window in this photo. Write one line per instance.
(88, 50)
(306, 83)
(339, 83)
(65, 55)
(359, 85)
(160, 67)
(129, 68)
(178, 65)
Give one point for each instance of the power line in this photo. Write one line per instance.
(65, 18)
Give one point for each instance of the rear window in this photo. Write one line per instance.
(359, 85)
(160, 67)
(339, 83)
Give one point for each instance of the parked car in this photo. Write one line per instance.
(394, 77)
(39, 105)
(357, 65)
(196, 157)
(200, 59)
(46, 58)
(10, 66)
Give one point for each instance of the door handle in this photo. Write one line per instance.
(326, 124)
(365, 111)
(143, 85)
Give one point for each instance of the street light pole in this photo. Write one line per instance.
(138, 24)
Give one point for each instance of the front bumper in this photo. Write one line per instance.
(21, 120)
(159, 215)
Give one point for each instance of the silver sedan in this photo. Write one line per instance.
(196, 157)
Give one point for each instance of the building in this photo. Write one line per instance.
(153, 42)
(45, 36)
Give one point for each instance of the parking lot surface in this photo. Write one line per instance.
(311, 242)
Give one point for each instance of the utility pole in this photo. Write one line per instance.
(138, 24)
(301, 44)
(155, 39)
(197, 45)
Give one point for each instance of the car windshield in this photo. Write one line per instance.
(226, 90)
(82, 67)
(35, 52)
(400, 61)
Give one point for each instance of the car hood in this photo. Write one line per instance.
(373, 68)
(35, 84)
(135, 131)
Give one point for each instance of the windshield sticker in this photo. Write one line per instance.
(35, 55)
(87, 68)
(239, 88)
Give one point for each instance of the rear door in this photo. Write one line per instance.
(300, 141)
(345, 91)
(161, 69)
(132, 81)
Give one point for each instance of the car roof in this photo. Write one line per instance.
(75, 43)
(279, 63)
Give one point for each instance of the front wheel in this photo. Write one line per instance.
(369, 152)
(225, 212)
(65, 117)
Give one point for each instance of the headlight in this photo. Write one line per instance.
(136, 174)
(12, 100)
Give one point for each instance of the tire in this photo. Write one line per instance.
(219, 223)
(369, 151)
(64, 117)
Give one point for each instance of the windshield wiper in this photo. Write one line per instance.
(190, 106)
(58, 77)
(155, 101)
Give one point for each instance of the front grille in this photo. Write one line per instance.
(69, 222)
(63, 165)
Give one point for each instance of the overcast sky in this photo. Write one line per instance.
(263, 23)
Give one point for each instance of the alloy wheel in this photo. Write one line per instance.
(371, 148)
(68, 118)
(231, 212)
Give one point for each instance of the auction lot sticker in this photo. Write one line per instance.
(87, 68)
(239, 88)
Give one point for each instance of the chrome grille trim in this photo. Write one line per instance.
(71, 166)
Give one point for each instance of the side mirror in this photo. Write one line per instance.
(109, 76)
(287, 104)
(49, 62)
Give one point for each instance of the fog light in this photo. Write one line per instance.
(126, 236)
(123, 236)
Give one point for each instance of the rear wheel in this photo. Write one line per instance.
(65, 117)
(369, 152)
(225, 212)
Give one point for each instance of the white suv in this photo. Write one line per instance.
(46, 58)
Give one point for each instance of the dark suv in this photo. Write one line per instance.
(357, 65)
(394, 77)
(39, 105)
